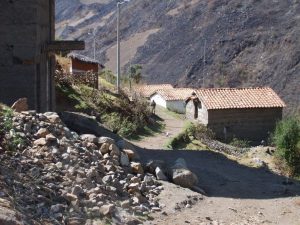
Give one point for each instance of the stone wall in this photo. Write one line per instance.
(25, 67)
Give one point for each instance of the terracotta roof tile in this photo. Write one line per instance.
(175, 94)
(148, 90)
(234, 98)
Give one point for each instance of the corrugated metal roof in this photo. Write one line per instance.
(237, 98)
(174, 94)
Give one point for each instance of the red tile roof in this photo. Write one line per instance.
(237, 98)
(148, 90)
(174, 94)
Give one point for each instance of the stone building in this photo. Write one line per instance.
(27, 46)
(246, 113)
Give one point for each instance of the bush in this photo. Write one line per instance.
(192, 131)
(287, 139)
(239, 143)
(9, 139)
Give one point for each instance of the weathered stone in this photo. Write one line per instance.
(20, 105)
(130, 154)
(89, 138)
(70, 197)
(102, 140)
(58, 208)
(40, 142)
(137, 168)
(153, 164)
(42, 133)
(184, 178)
(124, 160)
(125, 204)
(50, 138)
(104, 148)
(77, 190)
(160, 174)
(52, 117)
(114, 150)
(107, 210)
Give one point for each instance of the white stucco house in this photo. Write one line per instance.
(172, 99)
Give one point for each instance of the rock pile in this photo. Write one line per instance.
(60, 177)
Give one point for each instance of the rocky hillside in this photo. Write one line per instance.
(196, 43)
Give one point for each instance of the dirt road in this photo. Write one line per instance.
(174, 125)
(236, 194)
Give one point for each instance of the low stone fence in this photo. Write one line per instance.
(86, 78)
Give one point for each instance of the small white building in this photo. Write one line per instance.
(172, 99)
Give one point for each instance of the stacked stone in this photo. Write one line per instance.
(66, 178)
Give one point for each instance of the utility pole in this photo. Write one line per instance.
(119, 3)
(204, 63)
(94, 46)
(118, 47)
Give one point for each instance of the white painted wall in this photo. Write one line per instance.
(176, 106)
(159, 100)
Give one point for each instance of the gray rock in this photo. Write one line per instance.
(89, 137)
(184, 178)
(77, 190)
(160, 174)
(104, 148)
(124, 160)
(107, 210)
(102, 140)
(114, 150)
(58, 208)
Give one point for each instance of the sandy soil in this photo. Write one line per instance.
(236, 193)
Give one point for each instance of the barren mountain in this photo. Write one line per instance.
(210, 43)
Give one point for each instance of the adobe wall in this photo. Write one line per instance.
(249, 124)
(24, 65)
(82, 66)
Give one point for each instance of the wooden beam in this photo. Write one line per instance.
(65, 46)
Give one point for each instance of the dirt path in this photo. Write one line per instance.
(236, 194)
(174, 125)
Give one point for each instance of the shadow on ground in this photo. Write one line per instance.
(218, 175)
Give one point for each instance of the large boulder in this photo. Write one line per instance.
(182, 176)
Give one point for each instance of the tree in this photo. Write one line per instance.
(135, 73)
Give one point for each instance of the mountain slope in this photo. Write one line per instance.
(196, 43)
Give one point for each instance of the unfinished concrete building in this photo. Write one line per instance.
(27, 46)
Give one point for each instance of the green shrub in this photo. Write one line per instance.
(287, 138)
(9, 139)
(240, 143)
(201, 132)
(191, 131)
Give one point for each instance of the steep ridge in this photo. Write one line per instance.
(210, 43)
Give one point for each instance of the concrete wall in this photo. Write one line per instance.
(249, 124)
(25, 69)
